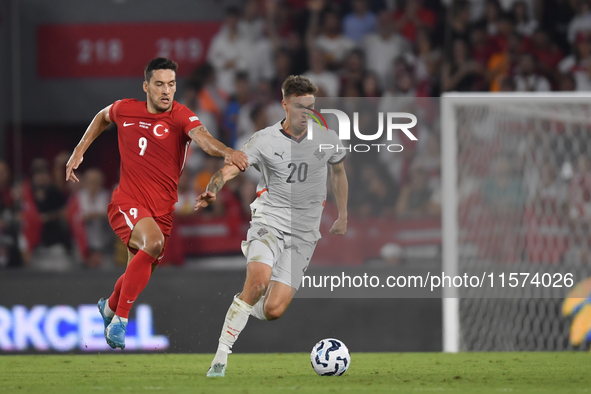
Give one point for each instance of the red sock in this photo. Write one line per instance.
(137, 276)
(114, 299)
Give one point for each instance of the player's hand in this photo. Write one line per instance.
(72, 165)
(204, 199)
(236, 157)
(339, 227)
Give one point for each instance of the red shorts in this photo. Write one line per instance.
(124, 215)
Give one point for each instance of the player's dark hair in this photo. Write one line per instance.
(160, 63)
(297, 85)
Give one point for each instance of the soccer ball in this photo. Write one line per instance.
(330, 357)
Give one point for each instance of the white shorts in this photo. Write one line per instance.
(287, 255)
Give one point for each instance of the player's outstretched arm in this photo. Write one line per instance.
(340, 185)
(217, 181)
(213, 147)
(100, 122)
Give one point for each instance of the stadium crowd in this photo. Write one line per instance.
(378, 50)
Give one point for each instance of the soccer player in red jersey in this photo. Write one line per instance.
(154, 136)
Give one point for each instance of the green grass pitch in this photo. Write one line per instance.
(560, 372)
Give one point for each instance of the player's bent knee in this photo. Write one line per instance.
(154, 246)
(257, 287)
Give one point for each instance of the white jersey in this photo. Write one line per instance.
(292, 190)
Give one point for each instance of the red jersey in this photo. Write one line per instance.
(153, 149)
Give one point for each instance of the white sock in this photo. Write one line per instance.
(235, 321)
(123, 319)
(221, 355)
(108, 312)
(258, 310)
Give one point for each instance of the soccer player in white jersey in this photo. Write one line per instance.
(286, 214)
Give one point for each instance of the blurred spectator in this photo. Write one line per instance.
(404, 84)
(462, 73)
(505, 28)
(503, 64)
(508, 5)
(581, 22)
(353, 69)
(237, 101)
(187, 196)
(525, 22)
(426, 63)
(193, 98)
(329, 37)
(252, 23)
(491, 17)
(578, 63)
(229, 51)
(210, 97)
(555, 18)
(320, 76)
(579, 251)
(283, 67)
(272, 109)
(567, 83)
(51, 204)
(282, 33)
(259, 121)
(547, 53)
(12, 242)
(580, 189)
(5, 185)
(482, 46)
(502, 192)
(551, 189)
(381, 192)
(414, 16)
(263, 40)
(371, 85)
(359, 22)
(527, 79)
(417, 199)
(93, 201)
(460, 21)
(382, 47)
(429, 159)
(13, 245)
(391, 254)
(507, 84)
(298, 53)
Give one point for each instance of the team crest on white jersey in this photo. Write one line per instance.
(319, 154)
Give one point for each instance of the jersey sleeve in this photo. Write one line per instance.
(188, 120)
(253, 150)
(340, 153)
(114, 111)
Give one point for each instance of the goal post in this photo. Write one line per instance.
(529, 135)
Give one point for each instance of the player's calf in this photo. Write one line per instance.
(275, 311)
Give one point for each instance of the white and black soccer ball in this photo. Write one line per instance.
(330, 357)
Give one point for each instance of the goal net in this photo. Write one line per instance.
(516, 176)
